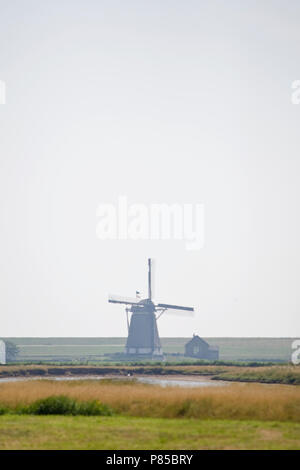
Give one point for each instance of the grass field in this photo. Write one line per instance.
(236, 416)
(66, 432)
(233, 416)
(98, 349)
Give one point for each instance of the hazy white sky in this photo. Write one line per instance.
(162, 101)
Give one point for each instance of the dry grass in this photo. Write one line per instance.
(234, 401)
(28, 369)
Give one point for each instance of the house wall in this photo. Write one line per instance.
(200, 350)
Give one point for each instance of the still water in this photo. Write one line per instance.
(163, 382)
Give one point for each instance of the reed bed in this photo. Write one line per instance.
(234, 401)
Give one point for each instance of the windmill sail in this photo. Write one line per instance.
(150, 283)
(175, 307)
(117, 299)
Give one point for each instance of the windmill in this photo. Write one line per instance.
(143, 338)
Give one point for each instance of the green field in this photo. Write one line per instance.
(100, 349)
(62, 432)
(125, 414)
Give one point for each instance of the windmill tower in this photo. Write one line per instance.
(143, 338)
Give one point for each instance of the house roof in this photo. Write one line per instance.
(196, 340)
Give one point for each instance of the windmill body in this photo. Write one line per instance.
(143, 338)
(143, 335)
